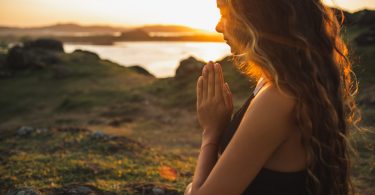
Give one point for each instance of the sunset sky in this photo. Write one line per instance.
(201, 14)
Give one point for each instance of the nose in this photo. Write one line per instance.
(219, 27)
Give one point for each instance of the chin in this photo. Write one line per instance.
(233, 51)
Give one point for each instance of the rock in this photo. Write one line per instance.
(100, 135)
(41, 130)
(189, 67)
(158, 191)
(45, 44)
(24, 191)
(140, 70)
(25, 131)
(30, 57)
(365, 18)
(87, 53)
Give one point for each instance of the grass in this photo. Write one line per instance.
(76, 156)
(43, 93)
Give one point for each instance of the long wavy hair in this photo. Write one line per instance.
(298, 44)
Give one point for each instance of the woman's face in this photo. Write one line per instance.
(224, 24)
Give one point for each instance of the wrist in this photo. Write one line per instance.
(211, 146)
(208, 137)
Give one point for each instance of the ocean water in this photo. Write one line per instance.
(159, 58)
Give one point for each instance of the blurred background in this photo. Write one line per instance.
(98, 97)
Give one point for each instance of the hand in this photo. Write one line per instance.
(214, 101)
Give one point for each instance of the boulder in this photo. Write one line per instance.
(25, 131)
(366, 18)
(140, 70)
(45, 44)
(99, 135)
(87, 53)
(189, 67)
(34, 54)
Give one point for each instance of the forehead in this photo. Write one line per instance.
(221, 3)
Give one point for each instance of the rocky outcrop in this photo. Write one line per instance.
(45, 44)
(34, 54)
(189, 67)
(87, 53)
(140, 70)
(365, 18)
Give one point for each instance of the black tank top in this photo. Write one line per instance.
(267, 182)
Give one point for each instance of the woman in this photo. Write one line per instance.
(291, 135)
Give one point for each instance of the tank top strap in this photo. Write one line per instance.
(259, 85)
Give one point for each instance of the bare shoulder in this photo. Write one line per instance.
(273, 108)
(271, 98)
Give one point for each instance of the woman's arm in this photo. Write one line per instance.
(214, 109)
(266, 124)
(207, 160)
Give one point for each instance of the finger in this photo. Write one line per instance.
(225, 96)
(199, 90)
(230, 96)
(205, 83)
(218, 81)
(211, 80)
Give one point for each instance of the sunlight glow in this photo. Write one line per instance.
(201, 14)
(194, 13)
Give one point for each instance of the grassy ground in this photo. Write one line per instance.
(50, 159)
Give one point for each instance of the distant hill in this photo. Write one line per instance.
(69, 29)
(168, 28)
(62, 29)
